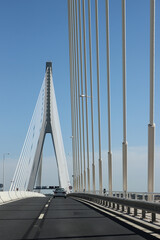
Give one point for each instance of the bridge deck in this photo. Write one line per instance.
(42, 218)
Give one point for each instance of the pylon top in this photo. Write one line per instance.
(49, 64)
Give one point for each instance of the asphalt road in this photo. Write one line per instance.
(45, 218)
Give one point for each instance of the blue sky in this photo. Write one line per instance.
(33, 32)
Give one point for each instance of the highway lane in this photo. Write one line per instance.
(37, 218)
(17, 217)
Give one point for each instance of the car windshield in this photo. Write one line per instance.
(60, 190)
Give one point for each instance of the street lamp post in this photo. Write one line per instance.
(4, 154)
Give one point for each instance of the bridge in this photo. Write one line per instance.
(92, 209)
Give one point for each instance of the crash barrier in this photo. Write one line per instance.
(123, 205)
(144, 196)
(8, 196)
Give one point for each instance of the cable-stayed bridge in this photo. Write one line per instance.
(88, 212)
(45, 119)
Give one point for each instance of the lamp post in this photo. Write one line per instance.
(4, 154)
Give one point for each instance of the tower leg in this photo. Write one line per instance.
(39, 175)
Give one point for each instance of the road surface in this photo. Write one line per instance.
(59, 218)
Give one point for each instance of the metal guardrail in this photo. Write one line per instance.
(125, 204)
(144, 196)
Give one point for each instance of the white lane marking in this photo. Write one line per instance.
(156, 235)
(41, 216)
(46, 205)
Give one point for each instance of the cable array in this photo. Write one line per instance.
(26, 159)
(82, 53)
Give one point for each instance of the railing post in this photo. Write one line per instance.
(122, 208)
(128, 210)
(135, 211)
(143, 214)
(153, 217)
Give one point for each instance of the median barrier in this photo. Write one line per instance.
(5, 197)
(23, 194)
(12, 195)
(1, 200)
(18, 194)
(8, 196)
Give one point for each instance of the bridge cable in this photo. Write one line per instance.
(98, 96)
(109, 104)
(91, 93)
(82, 93)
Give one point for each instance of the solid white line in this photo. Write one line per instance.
(41, 216)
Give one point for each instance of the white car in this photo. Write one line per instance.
(60, 192)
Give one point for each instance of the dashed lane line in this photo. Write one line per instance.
(41, 216)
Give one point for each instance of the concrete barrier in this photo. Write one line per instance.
(17, 195)
(5, 197)
(12, 195)
(1, 201)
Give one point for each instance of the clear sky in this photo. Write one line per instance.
(33, 32)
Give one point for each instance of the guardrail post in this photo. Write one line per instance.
(113, 205)
(109, 205)
(153, 217)
(143, 214)
(135, 211)
(117, 206)
(122, 208)
(128, 210)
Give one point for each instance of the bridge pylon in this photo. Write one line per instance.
(45, 120)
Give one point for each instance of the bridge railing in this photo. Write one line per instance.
(144, 196)
(129, 206)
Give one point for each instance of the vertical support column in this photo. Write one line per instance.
(124, 144)
(91, 89)
(39, 175)
(109, 111)
(79, 106)
(98, 96)
(73, 64)
(76, 100)
(81, 63)
(151, 125)
(70, 20)
(86, 100)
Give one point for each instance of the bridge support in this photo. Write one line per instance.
(110, 172)
(39, 175)
(100, 175)
(151, 125)
(124, 157)
(93, 176)
(124, 144)
(45, 120)
(151, 133)
(98, 96)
